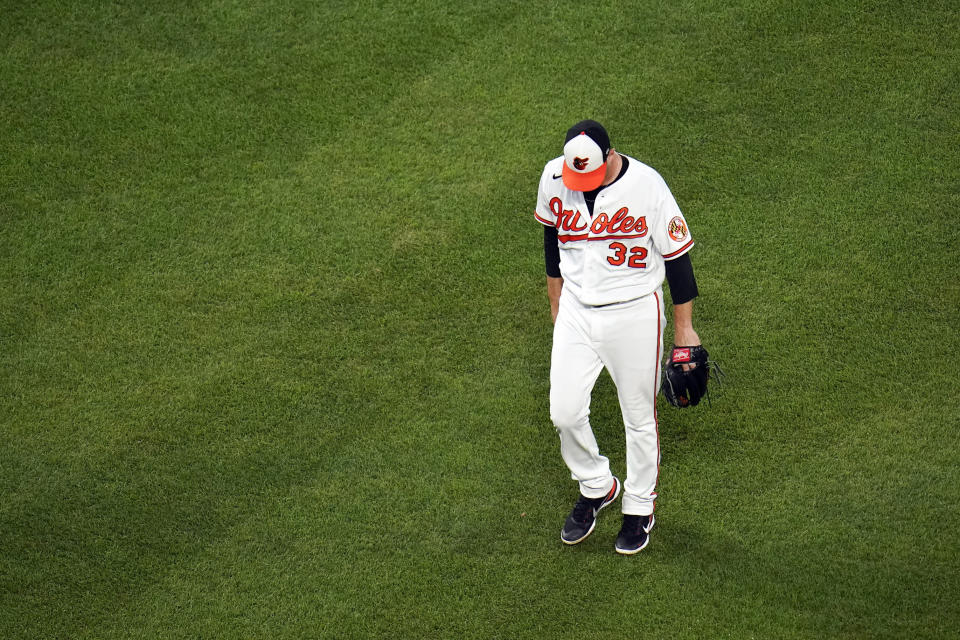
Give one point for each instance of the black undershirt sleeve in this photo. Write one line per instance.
(551, 251)
(683, 286)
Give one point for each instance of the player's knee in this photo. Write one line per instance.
(567, 415)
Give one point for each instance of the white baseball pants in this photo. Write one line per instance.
(626, 339)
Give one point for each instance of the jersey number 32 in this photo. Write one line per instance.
(635, 260)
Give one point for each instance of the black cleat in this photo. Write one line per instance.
(583, 518)
(634, 534)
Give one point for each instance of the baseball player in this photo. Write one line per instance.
(612, 232)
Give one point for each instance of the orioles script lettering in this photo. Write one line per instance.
(619, 224)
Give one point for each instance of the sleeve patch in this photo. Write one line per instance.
(677, 229)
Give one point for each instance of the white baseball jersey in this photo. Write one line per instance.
(617, 254)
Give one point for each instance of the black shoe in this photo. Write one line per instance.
(634, 534)
(583, 518)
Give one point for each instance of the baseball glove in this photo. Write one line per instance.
(686, 388)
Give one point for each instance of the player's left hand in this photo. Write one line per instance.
(685, 376)
(689, 338)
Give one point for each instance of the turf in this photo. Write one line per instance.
(274, 336)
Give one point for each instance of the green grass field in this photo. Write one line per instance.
(274, 334)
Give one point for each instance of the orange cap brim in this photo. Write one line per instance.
(583, 181)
